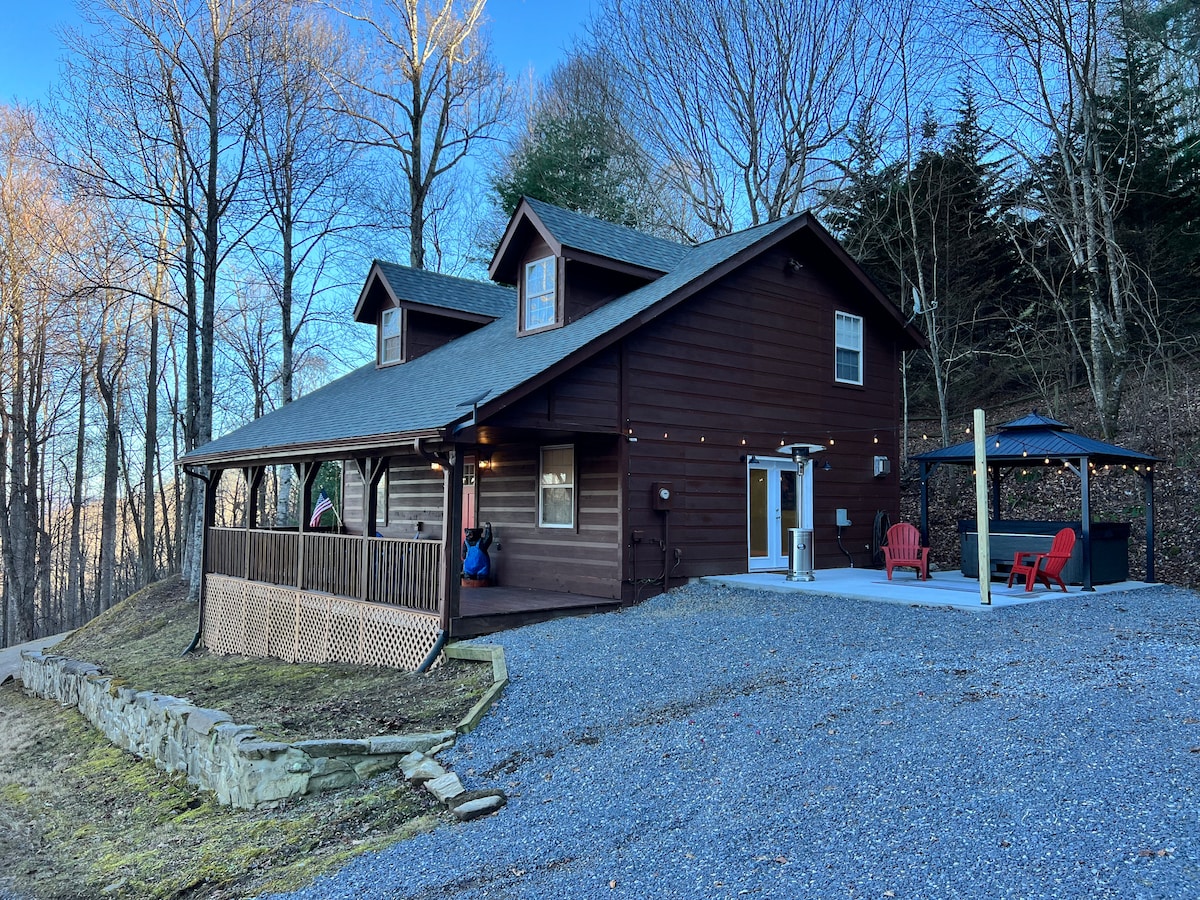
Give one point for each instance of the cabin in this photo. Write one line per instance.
(626, 412)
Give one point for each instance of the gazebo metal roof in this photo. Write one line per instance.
(1037, 440)
(1032, 439)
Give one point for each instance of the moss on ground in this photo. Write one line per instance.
(141, 641)
(87, 820)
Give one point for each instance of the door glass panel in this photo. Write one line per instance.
(787, 508)
(760, 514)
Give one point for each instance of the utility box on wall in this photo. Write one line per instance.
(883, 466)
(662, 495)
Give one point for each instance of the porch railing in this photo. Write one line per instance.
(399, 572)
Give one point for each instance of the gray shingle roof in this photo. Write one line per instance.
(448, 291)
(372, 405)
(617, 242)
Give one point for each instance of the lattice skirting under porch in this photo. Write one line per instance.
(255, 619)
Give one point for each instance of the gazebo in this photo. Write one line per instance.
(1038, 441)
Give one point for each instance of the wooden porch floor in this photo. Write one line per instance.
(490, 609)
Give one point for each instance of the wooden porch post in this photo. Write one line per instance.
(1086, 522)
(450, 580)
(209, 516)
(306, 472)
(1148, 484)
(253, 478)
(924, 503)
(370, 470)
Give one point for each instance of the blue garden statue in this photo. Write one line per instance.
(476, 564)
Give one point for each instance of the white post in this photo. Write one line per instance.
(981, 510)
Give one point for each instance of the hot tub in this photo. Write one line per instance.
(1110, 548)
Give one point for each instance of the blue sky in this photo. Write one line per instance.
(525, 33)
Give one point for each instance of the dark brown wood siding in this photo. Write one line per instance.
(582, 560)
(586, 399)
(424, 332)
(742, 367)
(414, 495)
(586, 287)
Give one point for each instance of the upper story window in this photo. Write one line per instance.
(539, 295)
(848, 348)
(389, 336)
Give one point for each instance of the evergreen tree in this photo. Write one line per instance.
(577, 153)
(1148, 145)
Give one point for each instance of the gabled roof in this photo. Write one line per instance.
(458, 297)
(1031, 440)
(575, 235)
(491, 367)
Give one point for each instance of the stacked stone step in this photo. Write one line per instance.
(446, 788)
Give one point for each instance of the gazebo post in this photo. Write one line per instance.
(995, 491)
(1086, 522)
(1148, 485)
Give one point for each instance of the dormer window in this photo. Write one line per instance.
(389, 336)
(539, 296)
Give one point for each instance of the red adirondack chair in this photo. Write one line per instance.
(1044, 566)
(903, 548)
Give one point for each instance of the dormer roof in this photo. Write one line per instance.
(447, 295)
(575, 236)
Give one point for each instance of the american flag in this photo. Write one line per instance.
(323, 504)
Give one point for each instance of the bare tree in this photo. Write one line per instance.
(427, 89)
(35, 233)
(163, 103)
(1049, 69)
(745, 104)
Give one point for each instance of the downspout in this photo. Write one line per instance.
(438, 646)
(203, 560)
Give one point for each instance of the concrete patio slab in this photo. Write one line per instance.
(942, 589)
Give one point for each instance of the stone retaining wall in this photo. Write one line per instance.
(233, 761)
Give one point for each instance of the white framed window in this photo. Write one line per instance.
(540, 298)
(556, 487)
(848, 348)
(389, 336)
(381, 500)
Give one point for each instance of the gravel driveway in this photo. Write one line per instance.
(722, 743)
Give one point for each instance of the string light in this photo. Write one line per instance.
(665, 435)
(702, 439)
(875, 439)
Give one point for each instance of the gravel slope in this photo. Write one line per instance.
(721, 743)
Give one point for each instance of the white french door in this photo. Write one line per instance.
(777, 500)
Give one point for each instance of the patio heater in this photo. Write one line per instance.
(800, 540)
